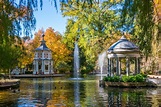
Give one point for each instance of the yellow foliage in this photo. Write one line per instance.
(60, 53)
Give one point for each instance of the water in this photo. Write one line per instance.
(101, 59)
(76, 62)
(62, 92)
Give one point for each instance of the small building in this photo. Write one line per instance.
(43, 63)
(123, 49)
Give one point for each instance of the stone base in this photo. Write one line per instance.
(129, 84)
(9, 83)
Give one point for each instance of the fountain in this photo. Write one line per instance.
(101, 60)
(76, 63)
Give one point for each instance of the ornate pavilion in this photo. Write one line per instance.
(123, 49)
(43, 63)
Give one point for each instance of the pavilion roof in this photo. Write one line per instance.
(123, 45)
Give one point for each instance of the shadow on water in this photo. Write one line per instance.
(62, 92)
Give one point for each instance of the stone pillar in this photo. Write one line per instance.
(112, 67)
(138, 65)
(109, 66)
(108, 70)
(42, 67)
(37, 66)
(117, 66)
(127, 66)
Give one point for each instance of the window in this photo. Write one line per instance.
(46, 67)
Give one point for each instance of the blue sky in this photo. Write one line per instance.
(49, 17)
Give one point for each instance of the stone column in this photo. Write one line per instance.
(37, 66)
(138, 65)
(52, 66)
(136, 70)
(42, 67)
(127, 67)
(109, 66)
(117, 66)
(112, 67)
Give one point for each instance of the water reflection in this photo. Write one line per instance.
(76, 94)
(61, 92)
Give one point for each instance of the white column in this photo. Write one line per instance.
(109, 67)
(52, 66)
(117, 66)
(127, 67)
(37, 65)
(138, 65)
(108, 70)
(42, 67)
(112, 67)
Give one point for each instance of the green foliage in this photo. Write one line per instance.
(10, 51)
(91, 26)
(139, 78)
(135, 78)
(125, 78)
(112, 79)
(138, 19)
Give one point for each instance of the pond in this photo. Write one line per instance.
(63, 92)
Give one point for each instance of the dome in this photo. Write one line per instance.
(123, 46)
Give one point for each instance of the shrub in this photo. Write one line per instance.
(139, 78)
(116, 78)
(125, 78)
(132, 79)
(136, 78)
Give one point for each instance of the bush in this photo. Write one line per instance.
(132, 79)
(125, 78)
(116, 78)
(136, 78)
(139, 78)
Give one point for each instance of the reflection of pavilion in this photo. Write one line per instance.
(43, 63)
(43, 88)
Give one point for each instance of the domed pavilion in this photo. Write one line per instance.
(43, 63)
(123, 49)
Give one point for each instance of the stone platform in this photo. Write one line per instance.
(36, 76)
(9, 83)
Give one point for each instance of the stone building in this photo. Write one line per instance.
(43, 63)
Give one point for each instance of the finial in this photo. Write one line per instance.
(123, 35)
(43, 36)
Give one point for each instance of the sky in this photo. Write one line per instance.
(49, 17)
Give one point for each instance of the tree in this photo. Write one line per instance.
(138, 19)
(91, 26)
(10, 53)
(60, 53)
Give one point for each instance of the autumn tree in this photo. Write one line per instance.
(60, 53)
